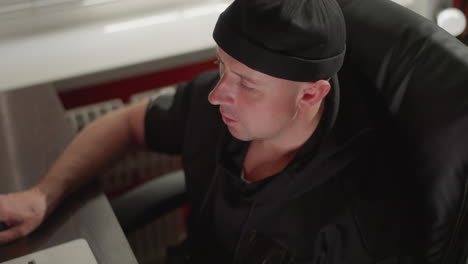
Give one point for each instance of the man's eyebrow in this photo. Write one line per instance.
(248, 79)
(218, 59)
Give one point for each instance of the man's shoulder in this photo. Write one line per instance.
(204, 81)
(207, 76)
(196, 94)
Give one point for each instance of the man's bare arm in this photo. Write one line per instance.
(94, 149)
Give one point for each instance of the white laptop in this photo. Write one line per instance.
(73, 252)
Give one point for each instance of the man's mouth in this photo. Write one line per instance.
(227, 119)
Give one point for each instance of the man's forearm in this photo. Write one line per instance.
(93, 150)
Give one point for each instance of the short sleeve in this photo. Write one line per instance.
(167, 116)
(165, 120)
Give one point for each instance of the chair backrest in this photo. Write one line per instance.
(420, 74)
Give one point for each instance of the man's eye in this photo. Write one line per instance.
(250, 89)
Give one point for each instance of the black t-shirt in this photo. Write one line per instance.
(316, 210)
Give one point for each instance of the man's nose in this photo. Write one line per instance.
(221, 94)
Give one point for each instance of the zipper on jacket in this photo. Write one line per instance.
(242, 234)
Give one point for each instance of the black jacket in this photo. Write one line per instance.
(335, 203)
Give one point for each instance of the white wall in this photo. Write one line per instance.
(54, 44)
(72, 43)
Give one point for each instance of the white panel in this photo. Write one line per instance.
(50, 52)
(73, 252)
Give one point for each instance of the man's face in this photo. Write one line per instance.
(253, 105)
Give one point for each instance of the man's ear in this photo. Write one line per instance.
(314, 92)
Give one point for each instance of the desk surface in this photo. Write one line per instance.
(33, 132)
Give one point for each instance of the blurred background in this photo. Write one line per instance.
(100, 55)
(81, 46)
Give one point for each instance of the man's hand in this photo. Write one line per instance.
(22, 212)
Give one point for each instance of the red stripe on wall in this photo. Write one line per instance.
(127, 87)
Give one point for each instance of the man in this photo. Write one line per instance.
(268, 159)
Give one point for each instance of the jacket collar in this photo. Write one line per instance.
(343, 133)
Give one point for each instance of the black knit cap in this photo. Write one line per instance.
(298, 40)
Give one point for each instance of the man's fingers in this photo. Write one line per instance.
(10, 235)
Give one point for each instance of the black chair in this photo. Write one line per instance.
(418, 75)
(149, 201)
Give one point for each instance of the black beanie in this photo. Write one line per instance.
(298, 40)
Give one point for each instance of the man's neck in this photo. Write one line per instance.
(293, 137)
(268, 157)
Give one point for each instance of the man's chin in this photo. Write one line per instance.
(238, 135)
